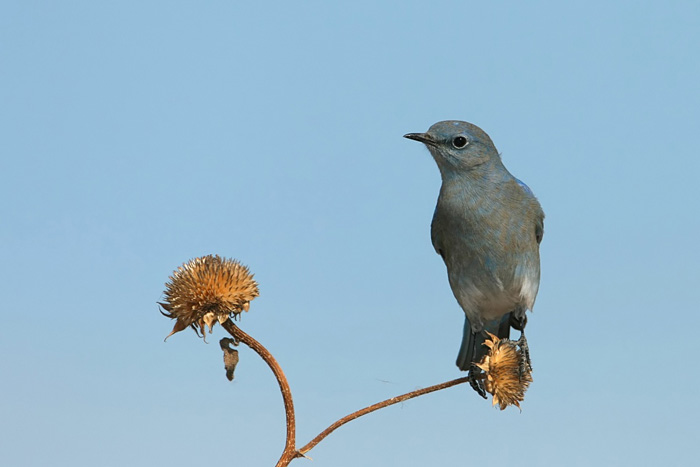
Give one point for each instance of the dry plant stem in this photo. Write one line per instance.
(289, 449)
(290, 452)
(377, 406)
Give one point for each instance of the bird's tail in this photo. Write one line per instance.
(473, 348)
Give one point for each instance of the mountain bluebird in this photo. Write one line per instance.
(487, 227)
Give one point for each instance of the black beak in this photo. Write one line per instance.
(424, 138)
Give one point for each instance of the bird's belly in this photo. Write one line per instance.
(495, 307)
(484, 297)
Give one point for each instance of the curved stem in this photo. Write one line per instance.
(372, 408)
(289, 452)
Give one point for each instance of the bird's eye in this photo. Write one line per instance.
(459, 142)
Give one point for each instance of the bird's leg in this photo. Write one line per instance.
(525, 351)
(518, 322)
(476, 380)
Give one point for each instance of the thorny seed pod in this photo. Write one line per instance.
(205, 290)
(507, 374)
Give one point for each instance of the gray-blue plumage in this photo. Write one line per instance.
(487, 227)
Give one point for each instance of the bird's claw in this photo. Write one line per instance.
(476, 380)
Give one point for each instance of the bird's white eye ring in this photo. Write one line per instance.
(460, 142)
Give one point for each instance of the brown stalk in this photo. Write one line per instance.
(377, 406)
(290, 452)
(289, 447)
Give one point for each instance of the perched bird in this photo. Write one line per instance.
(487, 228)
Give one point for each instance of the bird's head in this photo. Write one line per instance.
(457, 146)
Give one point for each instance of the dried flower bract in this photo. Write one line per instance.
(508, 375)
(205, 290)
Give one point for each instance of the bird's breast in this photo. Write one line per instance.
(488, 245)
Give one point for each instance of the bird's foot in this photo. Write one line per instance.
(525, 352)
(476, 380)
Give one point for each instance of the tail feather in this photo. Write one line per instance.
(473, 349)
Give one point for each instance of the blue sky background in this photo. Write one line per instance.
(138, 135)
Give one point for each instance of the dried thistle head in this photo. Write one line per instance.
(508, 375)
(205, 290)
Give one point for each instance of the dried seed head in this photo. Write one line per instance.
(508, 375)
(205, 290)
